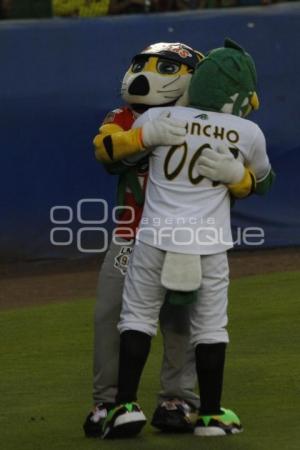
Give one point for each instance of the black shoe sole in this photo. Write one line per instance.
(169, 428)
(93, 435)
(127, 430)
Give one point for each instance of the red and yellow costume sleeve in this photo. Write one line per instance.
(113, 143)
(116, 140)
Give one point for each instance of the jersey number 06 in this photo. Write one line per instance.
(171, 175)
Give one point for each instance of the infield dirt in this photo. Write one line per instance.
(41, 282)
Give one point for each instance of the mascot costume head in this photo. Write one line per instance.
(159, 75)
(225, 81)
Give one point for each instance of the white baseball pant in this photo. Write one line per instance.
(143, 296)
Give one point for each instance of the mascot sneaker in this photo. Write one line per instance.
(123, 421)
(93, 423)
(173, 416)
(219, 425)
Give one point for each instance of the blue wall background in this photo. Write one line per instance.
(58, 78)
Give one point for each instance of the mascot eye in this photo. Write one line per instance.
(138, 66)
(167, 67)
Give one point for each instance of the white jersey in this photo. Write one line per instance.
(185, 212)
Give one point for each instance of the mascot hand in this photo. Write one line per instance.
(220, 166)
(163, 131)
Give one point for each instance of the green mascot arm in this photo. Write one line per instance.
(250, 185)
(264, 185)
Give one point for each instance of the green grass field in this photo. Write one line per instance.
(46, 364)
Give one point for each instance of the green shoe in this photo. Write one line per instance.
(123, 421)
(218, 425)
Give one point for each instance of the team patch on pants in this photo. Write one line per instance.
(122, 259)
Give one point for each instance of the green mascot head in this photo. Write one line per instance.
(225, 81)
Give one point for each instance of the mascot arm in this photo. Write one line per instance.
(114, 144)
(245, 187)
(250, 185)
(264, 185)
(260, 164)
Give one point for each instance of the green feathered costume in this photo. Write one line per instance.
(224, 81)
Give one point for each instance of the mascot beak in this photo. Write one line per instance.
(254, 102)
